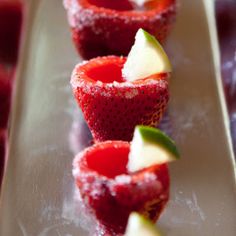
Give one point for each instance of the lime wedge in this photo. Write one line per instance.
(147, 57)
(138, 225)
(150, 147)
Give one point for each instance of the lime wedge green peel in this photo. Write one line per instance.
(150, 146)
(147, 57)
(138, 225)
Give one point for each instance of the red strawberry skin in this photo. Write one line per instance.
(10, 25)
(111, 193)
(102, 28)
(112, 107)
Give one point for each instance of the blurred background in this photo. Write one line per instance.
(12, 27)
(226, 25)
(11, 20)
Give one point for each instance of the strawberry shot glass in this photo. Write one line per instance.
(112, 106)
(110, 192)
(105, 27)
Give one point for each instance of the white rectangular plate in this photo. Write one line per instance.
(38, 195)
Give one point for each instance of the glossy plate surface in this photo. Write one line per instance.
(39, 196)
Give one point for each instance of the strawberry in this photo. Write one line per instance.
(111, 193)
(10, 25)
(5, 95)
(108, 27)
(112, 106)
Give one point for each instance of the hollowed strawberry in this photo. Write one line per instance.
(112, 106)
(108, 27)
(111, 193)
(10, 24)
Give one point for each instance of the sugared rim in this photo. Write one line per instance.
(130, 13)
(80, 165)
(80, 78)
(80, 161)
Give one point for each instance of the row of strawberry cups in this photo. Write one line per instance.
(116, 94)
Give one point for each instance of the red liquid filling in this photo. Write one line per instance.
(97, 160)
(126, 5)
(120, 5)
(107, 72)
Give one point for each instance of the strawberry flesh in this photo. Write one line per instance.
(111, 193)
(108, 27)
(112, 107)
